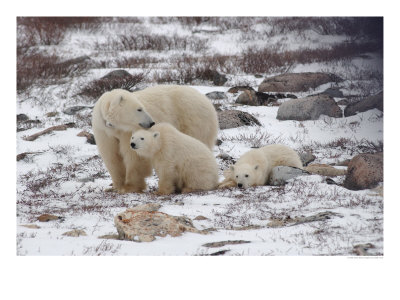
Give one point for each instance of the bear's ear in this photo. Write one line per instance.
(232, 168)
(256, 167)
(156, 134)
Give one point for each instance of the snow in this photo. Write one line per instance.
(77, 194)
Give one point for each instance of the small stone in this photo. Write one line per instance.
(307, 157)
(31, 226)
(22, 117)
(89, 137)
(74, 109)
(75, 233)
(48, 217)
(200, 218)
(239, 88)
(224, 243)
(51, 114)
(216, 95)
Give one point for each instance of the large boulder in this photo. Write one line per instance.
(309, 108)
(235, 118)
(364, 171)
(296, 82)
(375, 101)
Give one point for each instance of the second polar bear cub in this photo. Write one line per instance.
(255, 166)
(182, 163)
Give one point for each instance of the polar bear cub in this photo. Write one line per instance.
(182, 163)
(254, 167)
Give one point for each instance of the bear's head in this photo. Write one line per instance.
(145, 142)
(244, 175)
(122, 110)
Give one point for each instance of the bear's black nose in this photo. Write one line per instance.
(152, 123)
(133, 145)
(240, 185)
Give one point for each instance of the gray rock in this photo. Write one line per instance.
(235, 118)
(307, 157)
(309, 108)
(251, 97)
(333, 92)
(375, 101)
(224, 243)
(364, 171)
(216, 95)
(296, 82)
(117, 74)
(219, 79)
(281, 174)
(74, 109)
(76, 61)
(240, 88)
(22, 117)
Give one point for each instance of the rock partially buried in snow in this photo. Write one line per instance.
(216, 95)
(281, 174)
(296, 82)
(235, 118)
(307, 157)
(75, 233)
(74, 109)
(375, 101)
(144, 222)
(309, 108)
(364, 171)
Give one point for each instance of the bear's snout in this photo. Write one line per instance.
(240, 185)
(133, 145)
(151, 124)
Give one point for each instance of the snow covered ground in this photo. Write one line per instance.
(67, 178)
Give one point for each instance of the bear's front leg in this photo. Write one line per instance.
(137, 169)
(166, 185)
(109, 151)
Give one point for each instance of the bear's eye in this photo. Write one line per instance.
(139, 109)
(246, 175)
(142, 139)
(237, 176)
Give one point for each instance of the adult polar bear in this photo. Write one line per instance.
(118, 113)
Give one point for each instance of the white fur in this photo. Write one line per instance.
(118, 113)
(254, 167)
(181, 162)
